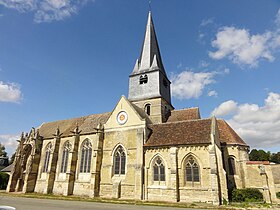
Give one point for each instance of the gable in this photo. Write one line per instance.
(125, 115)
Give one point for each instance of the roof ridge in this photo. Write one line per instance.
(85, 116)
(181, 121)
(185, 109)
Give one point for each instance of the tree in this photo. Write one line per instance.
(3, 153)
(275, 157)
(259, 155)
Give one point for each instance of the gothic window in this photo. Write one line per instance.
(192, 170)
(159, 170)
(231, 165)
(47, 157)
(143, 79)
(148, 109)
(119, 161)
(86, 157)
(65, 154)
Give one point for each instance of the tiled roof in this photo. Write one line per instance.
(180, 133)
(184, 114)
(228, 135)
(8, 168)
(87, 124)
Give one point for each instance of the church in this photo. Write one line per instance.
(143, 149)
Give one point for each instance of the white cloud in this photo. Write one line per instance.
(46, 10)
(244, 48)
(10, 92)
(226, 108)
(188, 84)
(213, 93)
(206, 22)
(10, 143)
(258, 125)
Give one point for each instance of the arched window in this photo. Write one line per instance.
(47, 157)
(159, 170)
(86, 157)
(119, 161)
(65, 154)
(231, 166)
(148, 109)
(192, 170)
(143, 79)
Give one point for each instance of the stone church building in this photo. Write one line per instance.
(143, 149)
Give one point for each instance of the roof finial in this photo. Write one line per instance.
(150, 7)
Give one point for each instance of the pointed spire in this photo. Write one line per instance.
(150, 49)
(136, 67)
(155, 63)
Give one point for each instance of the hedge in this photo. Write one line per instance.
(247, 195)
(278, 194)
(4, 178)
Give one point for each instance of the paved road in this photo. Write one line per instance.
(47, 204)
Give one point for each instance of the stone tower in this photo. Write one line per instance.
(149, 87)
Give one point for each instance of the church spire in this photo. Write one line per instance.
(150, 50)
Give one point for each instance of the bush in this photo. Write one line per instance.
(247, 195)
(278, 194)
(4, 178)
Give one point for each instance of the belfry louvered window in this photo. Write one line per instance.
(65, 154)
(47, 157)
(159, 170)
(119, 161)
(143, 79)
(192, 170)
(86, 155)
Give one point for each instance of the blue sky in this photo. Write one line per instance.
(63, 58)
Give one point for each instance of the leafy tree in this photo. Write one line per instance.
(275, 157)
(3, 153)
(259, 155)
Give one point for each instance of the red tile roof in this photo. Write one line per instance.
(184, 114)
(189, 132)
(228, 135)
(87, 124)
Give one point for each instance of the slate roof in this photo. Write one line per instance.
(228, 135)
(184, 114)
(87, 124)
(180, 133)
(8, 168)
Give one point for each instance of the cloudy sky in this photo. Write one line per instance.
(68, 58)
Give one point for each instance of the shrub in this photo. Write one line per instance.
(278, 194)
(247, 195)
(4, 178)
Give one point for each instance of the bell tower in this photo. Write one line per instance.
(149, 87)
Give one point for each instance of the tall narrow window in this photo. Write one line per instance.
(231, 165)
(86, 155)
(148, 109)
(47, 157)
(119, 161)
(143, 79)
(65, 154)
(192, 170)
(159, 170)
